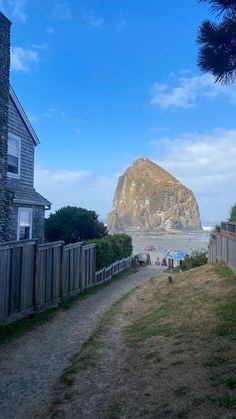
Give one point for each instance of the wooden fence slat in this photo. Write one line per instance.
(5, 272)
(27, 277)
(15, 280)
(66, 273)
(33, 277)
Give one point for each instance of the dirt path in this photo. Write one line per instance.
(30, 366)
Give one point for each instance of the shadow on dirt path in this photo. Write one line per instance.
(30, 366)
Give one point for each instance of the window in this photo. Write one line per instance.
(13, 157)
(24, 224)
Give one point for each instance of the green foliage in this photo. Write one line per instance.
(73, 224)
(197, 258)
(214, 362)
(224, 271)
(232, 215)
(181, 391)
(112, 248)
(217, 52)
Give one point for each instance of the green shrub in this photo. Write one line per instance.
(73, 224)
(112, 248)
(232, 215)
(197, 258)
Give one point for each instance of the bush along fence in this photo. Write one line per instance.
(222, 245)
(34, 277)
(112, 248)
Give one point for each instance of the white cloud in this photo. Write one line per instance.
(187, 91)
(53, 114)
(93, 20)
(62, 11)
(206, 164)
(39, 47)
(121, 22)
(18, 9)
(76, 187)
(23, 58)
(50, 30)
(14, 8)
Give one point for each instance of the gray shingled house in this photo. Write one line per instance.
(22, 209)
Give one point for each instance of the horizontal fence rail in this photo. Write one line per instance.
(34, 277)
(222, 245)
(106, 274)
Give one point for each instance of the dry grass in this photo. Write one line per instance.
(187, 305)
(167, 351)
(182, 321)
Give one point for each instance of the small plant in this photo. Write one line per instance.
(181, 391)
(177, 363)
(230, 381)
(214, 362)
(198, 401)
(227, 401)
(178, 342)
(154, 356)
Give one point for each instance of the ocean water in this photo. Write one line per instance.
(187, 242)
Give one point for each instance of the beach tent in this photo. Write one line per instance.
(176, 255)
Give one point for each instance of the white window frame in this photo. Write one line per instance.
(31, 222)
(15, 137)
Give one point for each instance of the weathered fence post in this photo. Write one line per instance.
(36, 288)
(94, 265)
(62, 271)
(82, 273)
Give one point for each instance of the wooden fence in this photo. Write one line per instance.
(34, 277)
(222, 245)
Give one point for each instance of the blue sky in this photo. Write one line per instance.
(107, 81)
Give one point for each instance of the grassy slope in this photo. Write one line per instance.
(191, 326)
(181, 339)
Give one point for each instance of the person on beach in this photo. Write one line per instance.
(158, 262)
(164, 263)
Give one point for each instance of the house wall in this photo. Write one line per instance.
(26, 179)
(4, 100)
(17, 127)
(38, 221)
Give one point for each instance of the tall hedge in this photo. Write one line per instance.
(112, 248)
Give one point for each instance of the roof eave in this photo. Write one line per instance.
(24, 116)
(47, 204)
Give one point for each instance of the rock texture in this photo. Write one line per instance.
(148, 199)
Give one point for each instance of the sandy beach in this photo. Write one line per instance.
(187, 242)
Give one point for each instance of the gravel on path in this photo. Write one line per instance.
(31, 365)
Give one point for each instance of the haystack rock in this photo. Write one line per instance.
(150, 199)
